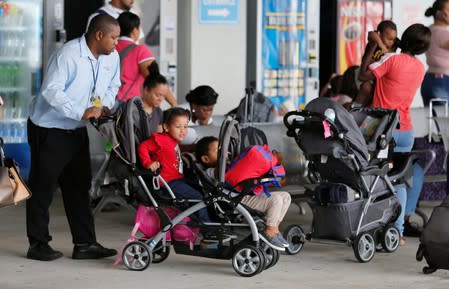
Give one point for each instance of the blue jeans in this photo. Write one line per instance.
(408, 198)
(183, 190)
(434, 87)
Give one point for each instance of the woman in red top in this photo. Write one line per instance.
(398, 77)
(162, 151)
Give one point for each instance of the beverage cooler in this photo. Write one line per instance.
(287, 49)
(355, 18)
(26, 40)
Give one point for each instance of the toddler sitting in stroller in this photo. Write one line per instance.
(274, 207)
(161, 151)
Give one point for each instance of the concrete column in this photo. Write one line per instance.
(211, 53)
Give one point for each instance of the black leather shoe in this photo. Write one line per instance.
(92, 251)
(43, 252)
(412, 229)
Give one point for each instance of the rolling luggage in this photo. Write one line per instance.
(434, 245)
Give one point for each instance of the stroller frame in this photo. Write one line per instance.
(364, 233)
(251, 253)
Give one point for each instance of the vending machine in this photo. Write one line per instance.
(355, 18)
(288, 46)
(27, 38)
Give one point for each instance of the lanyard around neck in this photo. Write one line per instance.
(94, 76)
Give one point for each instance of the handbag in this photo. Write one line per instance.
(12, 187)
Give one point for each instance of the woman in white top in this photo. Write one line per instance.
(436, 80)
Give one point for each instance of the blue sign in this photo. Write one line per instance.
(219, 11)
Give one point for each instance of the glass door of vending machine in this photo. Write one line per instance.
(20, 63)
(287, 66)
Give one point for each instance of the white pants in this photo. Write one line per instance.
(274, 207)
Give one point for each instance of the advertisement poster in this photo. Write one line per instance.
(355, 20)
(284, 52)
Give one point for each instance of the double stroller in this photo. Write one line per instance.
(164, 221)
(352, 196)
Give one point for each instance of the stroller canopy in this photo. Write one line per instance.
(346, 124)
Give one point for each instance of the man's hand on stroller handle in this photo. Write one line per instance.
(92, 112)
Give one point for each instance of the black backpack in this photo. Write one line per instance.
(434, 239)
(253, 107)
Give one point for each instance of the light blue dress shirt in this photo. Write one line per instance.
(67, 87)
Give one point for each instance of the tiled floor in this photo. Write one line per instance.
(317, 266)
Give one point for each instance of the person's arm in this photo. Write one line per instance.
(171, 99)
(114, 84)
(364, 73)
(373, 36)
(61, 70)
(144, 149)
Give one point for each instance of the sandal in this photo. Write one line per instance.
(402, 241)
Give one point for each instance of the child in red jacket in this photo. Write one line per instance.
(162, 151)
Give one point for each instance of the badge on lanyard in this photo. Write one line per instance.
(95, 100)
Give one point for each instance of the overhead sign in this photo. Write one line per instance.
(219, 11)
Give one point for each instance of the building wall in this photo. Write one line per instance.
(212, 54)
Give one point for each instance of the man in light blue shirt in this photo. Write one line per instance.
(81, 83)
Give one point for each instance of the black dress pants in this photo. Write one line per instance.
(59, 157)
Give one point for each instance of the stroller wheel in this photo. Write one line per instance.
(364, 247)
(137, 256)
(390, 238)
(271, 255)
(295, 236)
(248, 261)
(160, 253)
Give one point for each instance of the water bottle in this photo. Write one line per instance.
(2, 15)
(2, 77)
(10, 42)
(22, 135)
(17, 106)
(7, 75)
(15, 75)
(12, 14)
(7, 106)
(7, 132)
(14, 132)
(5, 13)
(2, 42)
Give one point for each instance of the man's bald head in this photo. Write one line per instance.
(102, 34)
(102, 22)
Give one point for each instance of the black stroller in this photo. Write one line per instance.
(237, 235)
(352, 199)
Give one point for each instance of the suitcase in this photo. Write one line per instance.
(434, 246)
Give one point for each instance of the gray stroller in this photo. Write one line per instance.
(352, 198)
(238, 232)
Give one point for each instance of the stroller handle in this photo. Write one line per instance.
(103, 119)
(308, 117)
